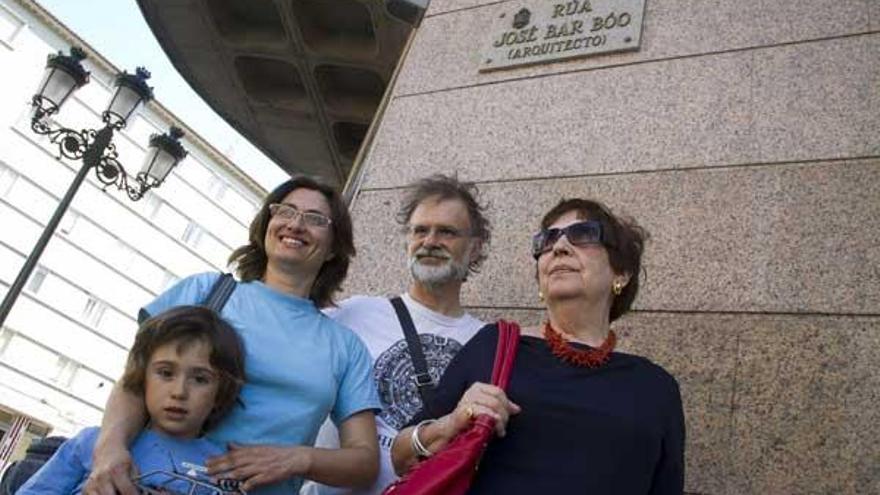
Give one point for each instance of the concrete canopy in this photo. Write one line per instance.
(301, 79)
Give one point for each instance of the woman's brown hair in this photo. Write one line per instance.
(250, 260)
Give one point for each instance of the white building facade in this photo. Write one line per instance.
(67, 337)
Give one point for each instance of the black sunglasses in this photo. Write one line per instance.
(579, 234)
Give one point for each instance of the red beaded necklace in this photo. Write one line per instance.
(589, 358)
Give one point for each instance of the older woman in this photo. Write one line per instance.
(577, 417)
(300, 365)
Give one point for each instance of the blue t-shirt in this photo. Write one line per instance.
(300, 366)
(66, 472)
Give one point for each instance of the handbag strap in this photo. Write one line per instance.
(220, 293)
(424, 382)
(505, 353)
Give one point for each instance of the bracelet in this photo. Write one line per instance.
(417, 445)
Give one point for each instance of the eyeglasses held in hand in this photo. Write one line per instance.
(288, 212)
(579, 234)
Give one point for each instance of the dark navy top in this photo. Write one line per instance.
(618, 429)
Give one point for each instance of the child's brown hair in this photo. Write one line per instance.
(186, 325)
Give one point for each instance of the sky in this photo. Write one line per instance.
(117, 30)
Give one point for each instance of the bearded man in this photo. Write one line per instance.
(446, 235)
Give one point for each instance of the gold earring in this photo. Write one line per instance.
(616, 288)
(540, 296)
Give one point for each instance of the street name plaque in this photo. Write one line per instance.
(542, 31)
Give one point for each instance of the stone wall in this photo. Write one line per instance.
(745, 136)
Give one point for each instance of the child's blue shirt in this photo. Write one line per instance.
(66, 472)
(300, 365)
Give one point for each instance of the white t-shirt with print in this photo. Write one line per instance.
(374, 320)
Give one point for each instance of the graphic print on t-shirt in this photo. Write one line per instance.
(395, 376)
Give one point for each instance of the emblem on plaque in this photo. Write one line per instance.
(522, 18)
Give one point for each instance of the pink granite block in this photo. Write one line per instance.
(682, 113)
(820, 100)
(806, 407)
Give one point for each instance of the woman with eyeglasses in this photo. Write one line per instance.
(578, 417)
(301, 366)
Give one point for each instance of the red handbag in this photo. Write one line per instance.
(451, 470)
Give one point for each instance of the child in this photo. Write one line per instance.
(188, 364)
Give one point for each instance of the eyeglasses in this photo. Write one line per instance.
(579, 234)
(288, 212)
(444, 233)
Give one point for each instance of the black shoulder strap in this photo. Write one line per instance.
(424, 382)
(220, 293)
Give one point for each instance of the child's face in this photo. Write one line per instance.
(181, 388)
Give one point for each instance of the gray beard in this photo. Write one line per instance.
(437, 275)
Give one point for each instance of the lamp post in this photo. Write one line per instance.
(64, 75)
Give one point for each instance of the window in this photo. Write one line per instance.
(94, 310)
(7, 179)
(65, 370)
(5, 337)
(151, 205)
(217, 188)
(10, 26)
(192, 235)
(68, 222)
(37, 279)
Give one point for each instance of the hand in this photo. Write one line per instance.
(112, 472)
(259, 465)
(482, 398)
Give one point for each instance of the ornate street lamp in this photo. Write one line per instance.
(64, 75)
(131, 91)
